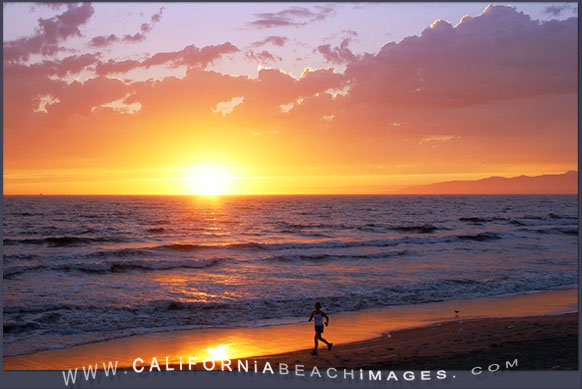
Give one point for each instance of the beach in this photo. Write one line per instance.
(537, 342)
(534, 328)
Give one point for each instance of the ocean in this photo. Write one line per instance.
(81, 269)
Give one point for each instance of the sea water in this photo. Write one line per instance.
(80, 269)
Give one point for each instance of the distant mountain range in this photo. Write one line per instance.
(566, 183)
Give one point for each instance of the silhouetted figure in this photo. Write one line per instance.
(456, 313)
(318, 316)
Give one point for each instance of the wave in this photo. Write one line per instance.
(475, 219)
(422, 229)
(481, 237)
(21, 322)
(154, 265)
(370, 227)
(121, 253)
(187, 248)
(20, 257)
(411, 292)
(553, 230)
(62, 241)
(330, 257)
(554, 216)
(116, 267)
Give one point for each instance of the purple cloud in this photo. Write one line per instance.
(273, 39)
(189, 56)
(263, 56)
(337, 55)
(49, 33)
(105, 41)
(499, 55)
(291, 17)
(556, 10)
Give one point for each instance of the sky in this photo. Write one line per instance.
(284, 98)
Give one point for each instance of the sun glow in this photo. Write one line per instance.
(218, 353)
(209, 181)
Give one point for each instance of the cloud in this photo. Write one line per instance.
(556, 10)
(137, 37)
(226, 107)
(44, 102)
(291, 17)
(157, 16)
(121, 106)
(337, 55)
(55, 6)
(262, 56)
(67, 66)
(189, 56)
(437, 138)
(267, 132)
(102, 41)
(500, 54)
(495, 73)
(49, 33)
(350, 32)
(273, 39)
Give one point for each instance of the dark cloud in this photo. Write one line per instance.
(49, 33)
(291, 17)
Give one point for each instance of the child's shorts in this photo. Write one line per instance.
(319, 329)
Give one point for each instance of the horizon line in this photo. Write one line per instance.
(287, 194)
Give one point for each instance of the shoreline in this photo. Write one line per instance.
(279, 322)
(347, 327)
(545, 342)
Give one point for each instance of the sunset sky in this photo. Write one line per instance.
(179, 98)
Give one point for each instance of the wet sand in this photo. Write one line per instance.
(431, 335)
(537, 342)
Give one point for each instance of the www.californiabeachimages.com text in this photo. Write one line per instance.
(90, 372)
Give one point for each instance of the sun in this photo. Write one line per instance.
(209, 180)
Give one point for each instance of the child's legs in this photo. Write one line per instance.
(317, 334)
(320, 338)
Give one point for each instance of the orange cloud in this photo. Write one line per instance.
(495, 94)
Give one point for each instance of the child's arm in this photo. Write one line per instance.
(311, 317)
(326, 318)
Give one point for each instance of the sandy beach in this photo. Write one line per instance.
(537, 342)
(533, 327)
